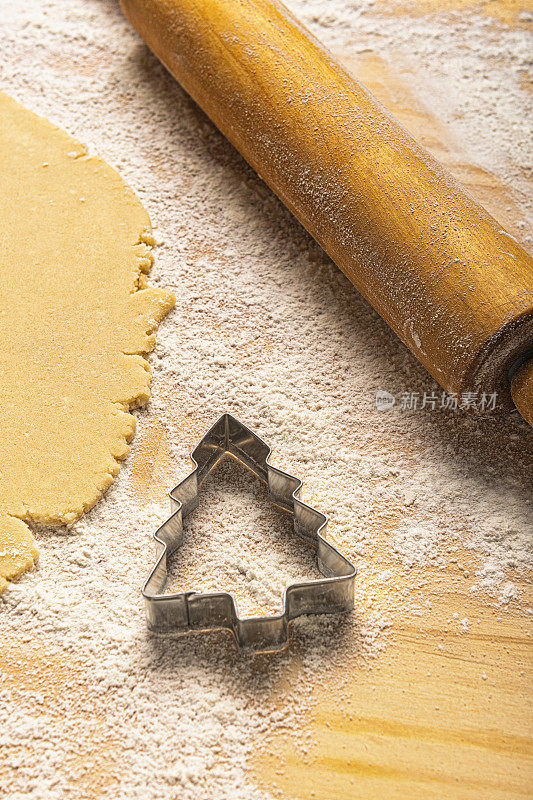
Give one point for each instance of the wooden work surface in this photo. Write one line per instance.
(442, 709)
(443, 712)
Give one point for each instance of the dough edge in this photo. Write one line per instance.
(18, 550)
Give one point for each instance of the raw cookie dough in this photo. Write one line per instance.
(76, 319)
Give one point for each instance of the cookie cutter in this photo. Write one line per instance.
(186, 611)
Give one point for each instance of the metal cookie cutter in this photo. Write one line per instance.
(198, 611)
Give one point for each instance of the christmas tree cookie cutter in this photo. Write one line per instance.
(186, 611)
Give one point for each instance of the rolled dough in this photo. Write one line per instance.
(76, 320)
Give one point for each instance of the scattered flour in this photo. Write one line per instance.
(480, 68)
(267, 327)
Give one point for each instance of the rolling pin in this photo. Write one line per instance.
(444, 274)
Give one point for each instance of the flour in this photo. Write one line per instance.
(266, 327)
(470, 71)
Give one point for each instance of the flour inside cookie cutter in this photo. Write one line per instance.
(166, 613)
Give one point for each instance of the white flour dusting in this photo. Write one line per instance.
(267, 327)
(471, 72)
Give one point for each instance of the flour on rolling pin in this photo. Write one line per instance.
(455, 287)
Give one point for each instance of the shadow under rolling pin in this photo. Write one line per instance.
(451, 282)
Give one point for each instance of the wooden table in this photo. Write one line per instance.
(444, 711)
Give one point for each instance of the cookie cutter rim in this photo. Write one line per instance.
(199, 611)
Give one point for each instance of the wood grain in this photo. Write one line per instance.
(443, 713)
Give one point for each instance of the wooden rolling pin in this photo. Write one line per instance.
(455, 286)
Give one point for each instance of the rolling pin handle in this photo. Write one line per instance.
(522, 390)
